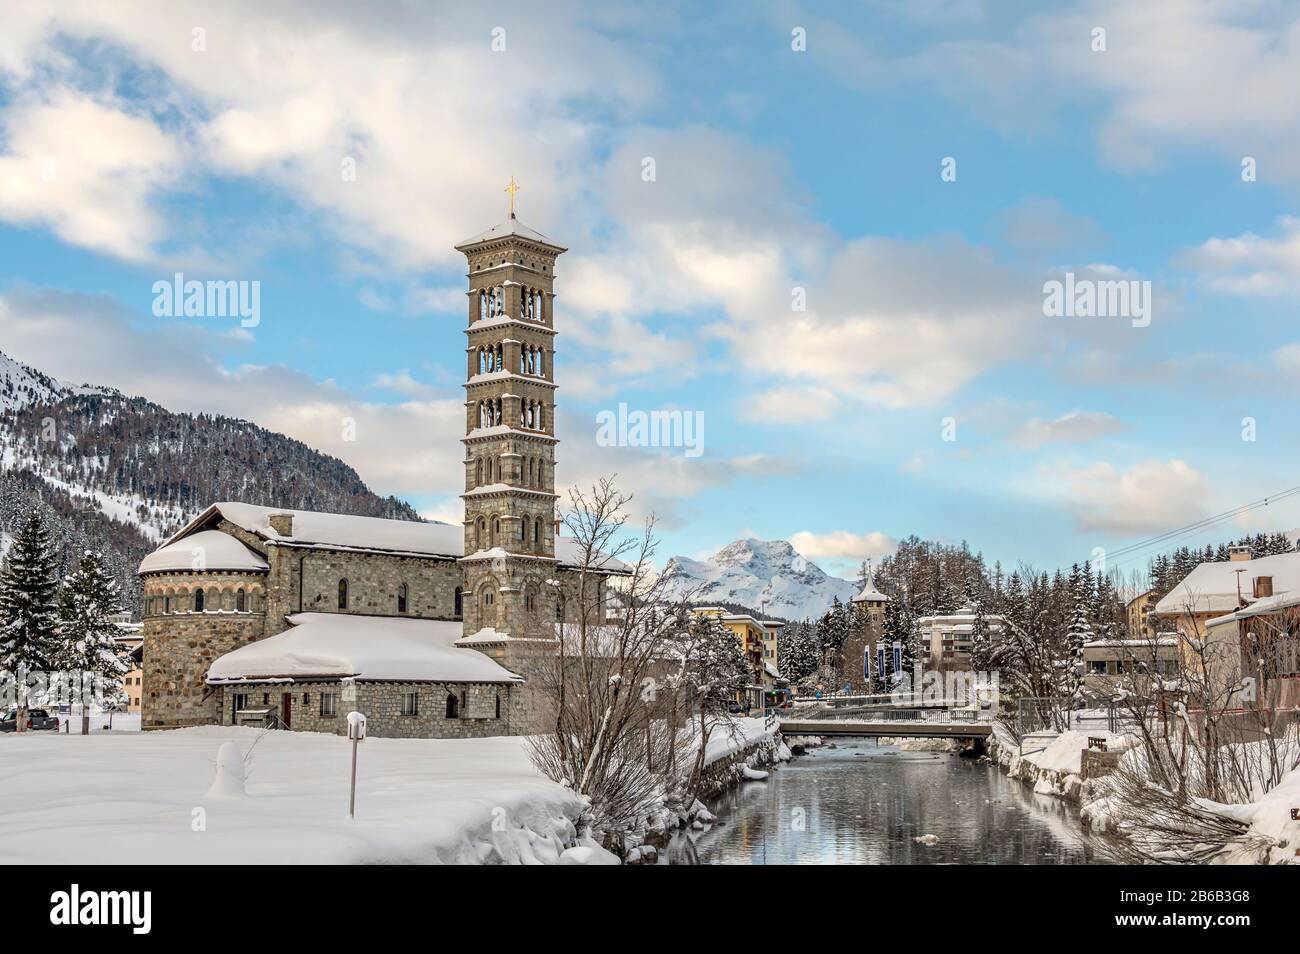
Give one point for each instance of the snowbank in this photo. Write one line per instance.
(741, 735)
(101, 798)
(1051, 762)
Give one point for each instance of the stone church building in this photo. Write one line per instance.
(262, 614)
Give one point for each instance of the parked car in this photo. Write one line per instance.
(36, 719)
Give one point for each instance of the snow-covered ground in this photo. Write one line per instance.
(1051, 762)
(726, 740)
(125, 797)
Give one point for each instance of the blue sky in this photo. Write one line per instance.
(136, 142)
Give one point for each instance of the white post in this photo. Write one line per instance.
(356, 734)
(352, 797)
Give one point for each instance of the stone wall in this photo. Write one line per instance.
(180, 646)
(373, 580)
(381, 703)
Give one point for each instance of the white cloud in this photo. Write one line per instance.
(1149, 496)
(843, 545)
(87, 170)
(402, 382)
(1076, 427)
(287, 104)
(1248, 264)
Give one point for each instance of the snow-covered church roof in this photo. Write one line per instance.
(205, 550)
(345, 532)
(870, 594)
(343, 645)
(510, 227)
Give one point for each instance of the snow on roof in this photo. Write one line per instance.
(341, 645)
(1212, 587)
(1130, 643)
(510, 227)
(346, 532)
(1267, 604)
(870, 594)
(205, 550)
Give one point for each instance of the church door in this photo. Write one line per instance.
(286, 709)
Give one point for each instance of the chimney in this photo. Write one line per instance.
(282, 523)
(1263, 586)
(1238, 553)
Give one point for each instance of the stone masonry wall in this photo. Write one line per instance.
(372, 578)
(180, 646)
(381, 703)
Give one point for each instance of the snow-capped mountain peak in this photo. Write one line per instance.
(770, 576)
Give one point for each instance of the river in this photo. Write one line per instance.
(861, 803)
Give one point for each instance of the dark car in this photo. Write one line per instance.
(36, 719)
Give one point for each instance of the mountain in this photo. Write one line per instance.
(754, 572)
(120, 474)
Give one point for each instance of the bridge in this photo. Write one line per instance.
(875, 728)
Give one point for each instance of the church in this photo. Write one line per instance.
(265, 615)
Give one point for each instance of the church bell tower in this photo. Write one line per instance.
(509, 557)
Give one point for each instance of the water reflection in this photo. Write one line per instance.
(863, 803)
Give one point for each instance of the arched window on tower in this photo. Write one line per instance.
(537, 532)
(241, 601)
(343, 594)
(198, 600)
(453, 706)
(457, 609)
(523, 529)
(401, 597)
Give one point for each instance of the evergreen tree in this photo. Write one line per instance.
(1080, 629)
(797, 651)
(88, 601)
(28, 609)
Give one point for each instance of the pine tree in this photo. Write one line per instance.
(797, 652)
(1080, 630)
(88, 601)
(28, 609)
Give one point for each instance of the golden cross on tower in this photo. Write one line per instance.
(512, 189)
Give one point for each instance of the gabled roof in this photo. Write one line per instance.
(1212, 587)
(511, 227)
(345, 645)
(346, 532)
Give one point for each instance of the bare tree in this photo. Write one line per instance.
(1209, 735)
(611, 686)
